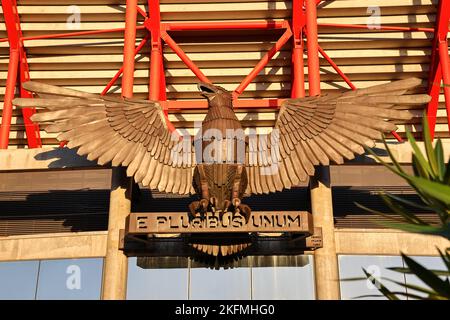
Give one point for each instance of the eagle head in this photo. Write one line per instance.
(217, 96)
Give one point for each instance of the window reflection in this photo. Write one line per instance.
(70, 279)
(230, 284)
(156, 284)
(284, 282)
(260, 277)
(18, 280)
(431, 263)
(351, 267)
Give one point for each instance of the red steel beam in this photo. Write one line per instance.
(298, 73)
(157, 83)
(175, 105)
(434, 90)
(380, 28)
(119, 73)
(348, 81)
(18, 66)
(142, 12)
(75, 34)
(445, 69)
(187, 61)
(156, 54)
(31, 128)
(263, 62)
(437, 67)
(129, 48)
(313, 48)
(186, 26)
(10, 89)
(336, 68)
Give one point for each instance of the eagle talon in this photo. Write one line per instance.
(204, 205)
(225, 207)
(194, 208)
(213, 202)
(245, 211)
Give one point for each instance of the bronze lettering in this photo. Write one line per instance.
(174, 222)
(172, 225)
(267, 221)
(213, 222)
(278, 218)
(291, 220)
(253, 219)
(185, 222)
(197, 222)
(161, 219)
(142, 222)
(238, 221)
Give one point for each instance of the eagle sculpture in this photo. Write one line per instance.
(220, 163)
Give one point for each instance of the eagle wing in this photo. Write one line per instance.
(125, 132)
(316, 130)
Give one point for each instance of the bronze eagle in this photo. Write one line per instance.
(308, 132)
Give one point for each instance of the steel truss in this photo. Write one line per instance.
(303, 26)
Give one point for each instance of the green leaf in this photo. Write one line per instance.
(385, 291)
(400, 210)
(435, 189)
(445, 258)
(400, 224)
(395, 169)
(439, 273)
(447, 173)
(388, 216)
(391, 156)
(418, 169)
(439, 153)
(421, 161)
(407, 202)
(413, 287)
(429, 147)
(416, 228)
(369, 296)
(441, 287)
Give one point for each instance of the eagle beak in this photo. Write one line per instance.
(206, 89)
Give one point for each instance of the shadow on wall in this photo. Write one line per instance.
(53, 211)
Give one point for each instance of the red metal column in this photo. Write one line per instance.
(17, 64)
(128, 49)
(439, 65)
(313, 47)
(336, 68)
(298, 73)
(263, 62)
(445, 66)
(157, 85)
(9, 96)
(183, 56)
(119, 73)
(157, 88)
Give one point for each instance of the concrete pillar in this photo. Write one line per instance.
(116, 263)
(326, 268)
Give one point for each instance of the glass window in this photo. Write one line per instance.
(223, 284)
(351, 267)
(156, 284)
(70, 279)
(284, 282)
(431, 263)
(18, 280)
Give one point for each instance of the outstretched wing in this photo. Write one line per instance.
(125, 132)
(312, 131)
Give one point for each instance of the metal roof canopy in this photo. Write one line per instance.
(302, 26)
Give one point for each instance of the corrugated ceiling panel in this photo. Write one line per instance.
(368, 57)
